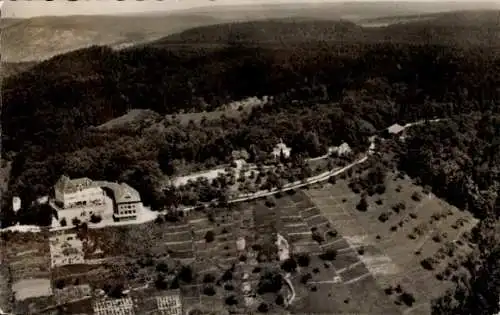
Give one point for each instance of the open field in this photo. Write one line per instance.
(393, 247)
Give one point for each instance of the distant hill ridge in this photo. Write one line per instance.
(297, 29)
(464, 28)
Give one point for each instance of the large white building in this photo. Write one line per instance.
(79, 192)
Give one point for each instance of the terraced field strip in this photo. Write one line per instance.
(353, 233)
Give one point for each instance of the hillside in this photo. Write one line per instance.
(278, 31)
(43, 37)
(464, 28)
(455, 18)
(12, 68)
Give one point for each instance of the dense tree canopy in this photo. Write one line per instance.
(321, 97)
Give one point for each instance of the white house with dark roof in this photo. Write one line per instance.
(280, 149)
(79, 192)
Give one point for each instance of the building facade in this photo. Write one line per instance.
(80, 192)
(128, 204)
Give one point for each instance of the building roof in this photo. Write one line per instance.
(396, 128)
(67, 185)
(122, 192)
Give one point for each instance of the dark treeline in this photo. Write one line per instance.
(89, 87)
(460, 159)
(451, 28)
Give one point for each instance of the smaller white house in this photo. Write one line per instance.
(341, 150)
(283, 247)
(280, 149)
(16, 203)
(79, 192)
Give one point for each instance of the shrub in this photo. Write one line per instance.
(305, 278)
(437, 238)
(208, 278)
(330, 254)
(383, 217)
(280, 300)
(289, 265)
(263, 308)
(160, 282)
(407, 299)
(380, 189)
(159, 219)
(95, 218)
(303, 260)
(76, 221)
(231, 300)
(428, 263)
(186, 274)
(210, 291)
(362, 205)
(161, 267)
(60, 284)
(316, 236)
(416, 196)
(228, 275)
(270, 204)
(270, 283)
(209, 236)
(332, 233)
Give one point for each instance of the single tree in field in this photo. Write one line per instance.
(362, 205)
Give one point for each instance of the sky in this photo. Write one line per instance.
(25, 9)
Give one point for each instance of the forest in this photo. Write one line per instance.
(322, 96)
(323, 93)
